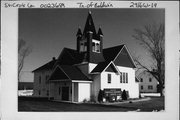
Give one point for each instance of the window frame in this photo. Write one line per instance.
(121, 77)
(150, 87)
(109, 78)
(40, 79)
(150, 79)
(141, 79)
(126, 77)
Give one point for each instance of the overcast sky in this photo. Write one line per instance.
(48, 31)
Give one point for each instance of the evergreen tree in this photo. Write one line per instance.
(100, 96)
(124, 95)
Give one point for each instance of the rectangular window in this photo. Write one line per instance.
(39, 79)
(59, 90)
(47, 77)
(150, 79)
(93, 47)
(120, 77)
(126, 77)
(141, 87)
(109, 78)
(97, 47)
(141, 80)
(150, 87)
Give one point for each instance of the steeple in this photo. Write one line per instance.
(79, 33)
(89, 26)
(100, 31)
(90, 43)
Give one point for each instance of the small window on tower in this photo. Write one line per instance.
(85, 46)
(97, 47)
(93, 47)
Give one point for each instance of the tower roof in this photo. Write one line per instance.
(89, 26)
(100, 31)
(79, 32)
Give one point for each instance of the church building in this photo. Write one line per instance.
(79, 74)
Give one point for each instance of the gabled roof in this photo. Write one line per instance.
(137, 79)
(47, 66)
(116, 54)
(103, 66)
(110, 53)
(100, 67)
(62, 72)
(69, 57)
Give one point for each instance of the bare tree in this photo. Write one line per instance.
(151, 37)
(23, 51)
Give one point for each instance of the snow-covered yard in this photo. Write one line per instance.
(150, 94)
(25, 92)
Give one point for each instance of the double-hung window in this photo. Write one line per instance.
(109, 78)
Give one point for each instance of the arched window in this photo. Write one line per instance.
(81, 46)
(85, 46)
(97, 47)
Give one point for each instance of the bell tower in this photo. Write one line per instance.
(90, 43)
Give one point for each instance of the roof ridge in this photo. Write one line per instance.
(69, 48)
(71, 55)
(114, 46)
(45, 64)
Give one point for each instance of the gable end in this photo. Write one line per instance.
(124, 59)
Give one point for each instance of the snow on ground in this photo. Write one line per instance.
(150, 94)
(25, 92)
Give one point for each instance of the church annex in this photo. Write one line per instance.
(78, 75)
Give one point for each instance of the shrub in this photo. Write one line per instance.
(124, 95)
(85, 101)
(92, 99)
(100, 96)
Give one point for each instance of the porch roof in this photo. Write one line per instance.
(63, 72)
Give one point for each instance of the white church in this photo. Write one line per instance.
(78, 75)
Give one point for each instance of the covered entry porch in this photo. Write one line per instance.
(67, 83)
(72, 91)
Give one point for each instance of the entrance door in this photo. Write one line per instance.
(65, 93)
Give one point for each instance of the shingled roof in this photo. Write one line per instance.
(68, 72)
(47, 66)
(70, 57)
(110, 53)
(100, 67)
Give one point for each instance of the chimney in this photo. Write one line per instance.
(54, 58)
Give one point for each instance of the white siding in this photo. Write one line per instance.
(84, 91)
(131, 86)
(147, 83)
(91, 66)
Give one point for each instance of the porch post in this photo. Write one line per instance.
(72, 99)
